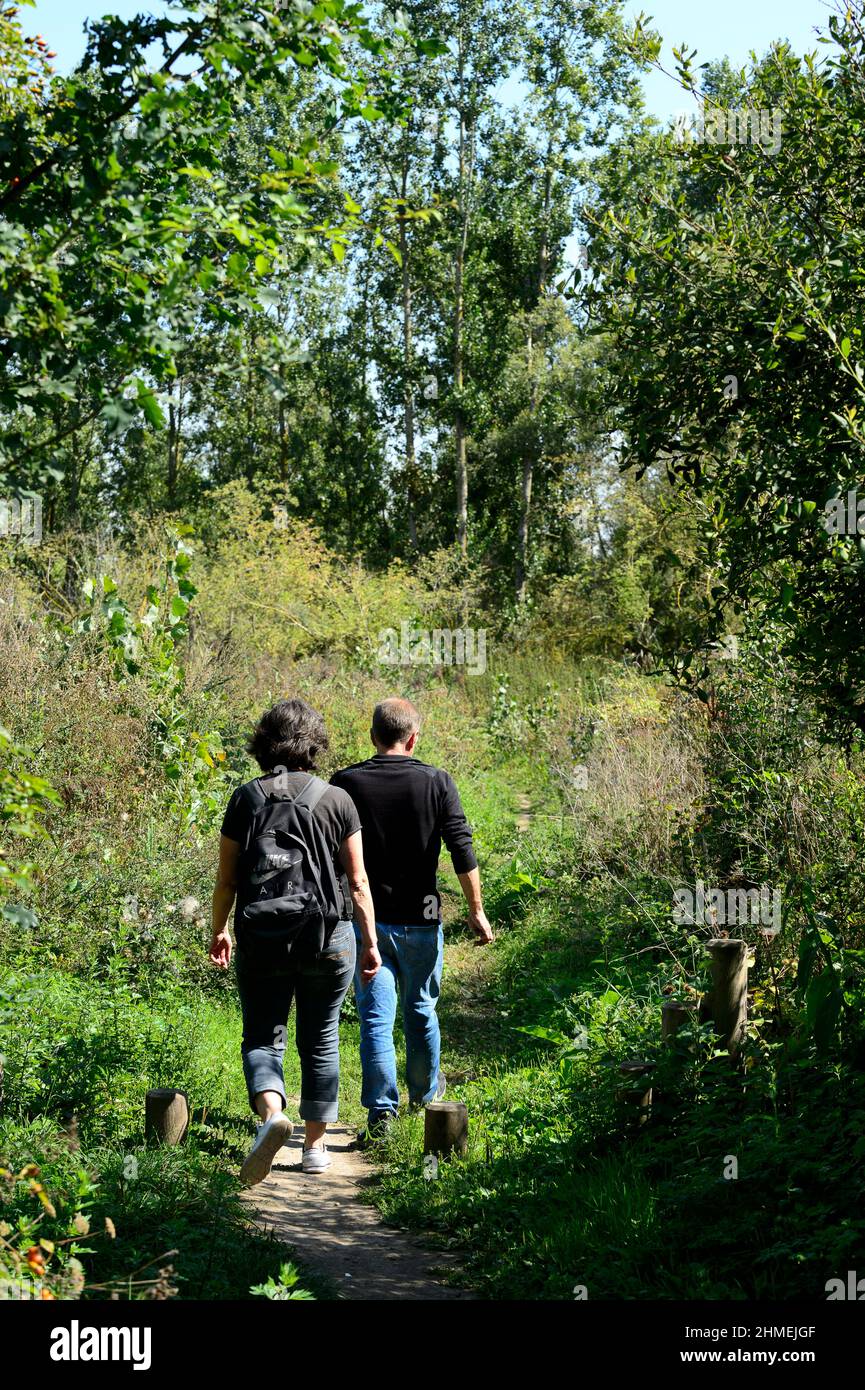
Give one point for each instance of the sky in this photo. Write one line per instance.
(716, 28)
(723, 28)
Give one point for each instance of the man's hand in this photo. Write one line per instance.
(480, 926)
(370, 963)
(220, 949)
(470, 882)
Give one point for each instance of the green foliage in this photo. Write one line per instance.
(558, 1172)
(266, 323)
(282, 1288)
(298, 599)
(120, 229)
(78, 1058)
(521, 727)
(24, 800)
(150, 647)
(735, 347)
(39, 1250)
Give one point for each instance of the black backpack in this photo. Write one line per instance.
(289, 895)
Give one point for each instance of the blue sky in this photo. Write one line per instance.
(724, 28)
(714, 27)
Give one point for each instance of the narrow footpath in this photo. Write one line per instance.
(332, 1231)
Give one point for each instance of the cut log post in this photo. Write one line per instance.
(166, 1116)
(445, 1128)
(637, 1092)
(674, 1014)
(728, 997)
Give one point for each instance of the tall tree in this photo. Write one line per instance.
(733, 290)
(581, 81)
(393, 163)
(109, 243)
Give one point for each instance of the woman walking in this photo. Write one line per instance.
(290, 853)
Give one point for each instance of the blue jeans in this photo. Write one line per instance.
(411, 966)
(317, 984)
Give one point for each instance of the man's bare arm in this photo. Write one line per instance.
(351, 859)
(470, 882)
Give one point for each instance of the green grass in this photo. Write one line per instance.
(561, 1187)
(93, 1049)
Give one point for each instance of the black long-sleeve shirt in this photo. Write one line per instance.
(407, 809)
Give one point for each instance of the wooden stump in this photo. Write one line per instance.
(445, 1128)
(728, 998)
(674, 1014)
(638, 1092)
(166, 1116)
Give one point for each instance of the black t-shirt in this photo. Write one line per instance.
(335, 813)
(407, 809)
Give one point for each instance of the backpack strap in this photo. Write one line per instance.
(310, 794)
(255, 795)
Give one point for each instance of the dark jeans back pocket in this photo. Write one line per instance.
(340, 949)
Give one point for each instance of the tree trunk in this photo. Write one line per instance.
(526, 492)
(529, 457)
(637, 1090)
(465, 170)
(462, 477)
(283, 436)
(523, 532)
(410, 459)
(175, 424)
(462, 486)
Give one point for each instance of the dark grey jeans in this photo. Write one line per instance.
(317, 984)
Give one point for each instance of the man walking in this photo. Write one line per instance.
(406, 809)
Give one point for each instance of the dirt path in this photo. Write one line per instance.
(524, 813)
(333, 1231)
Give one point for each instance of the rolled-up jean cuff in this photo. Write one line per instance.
(262, 1067)
(324, 1111)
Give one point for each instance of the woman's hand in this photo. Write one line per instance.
(220, 949)
(223, 897)
(370, 963)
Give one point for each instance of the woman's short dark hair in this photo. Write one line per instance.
(289, 735)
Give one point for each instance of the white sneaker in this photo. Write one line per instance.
(316, 1160)
(268, 1141)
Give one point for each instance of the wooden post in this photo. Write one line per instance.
(728, 1001)
(166, 1116)
(638, 1092)
(673, 1015)
(445, 1128)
